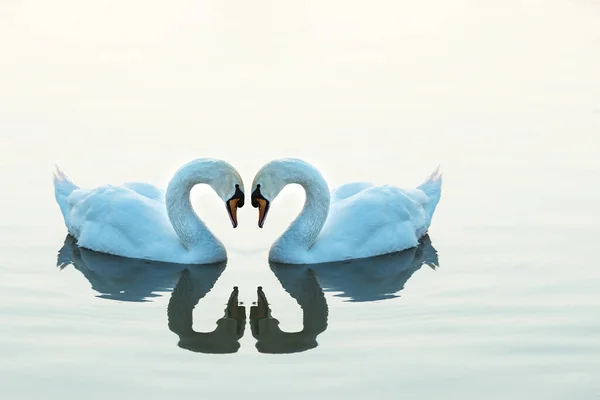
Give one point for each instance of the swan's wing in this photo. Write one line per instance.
(377, 220)
(348, 190)
(118, 220)
(416, 195)
(147, 190)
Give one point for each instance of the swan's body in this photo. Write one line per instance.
(356, 220)
(138, 220)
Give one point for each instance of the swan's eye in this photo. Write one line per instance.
(237, 186)
(255, 196)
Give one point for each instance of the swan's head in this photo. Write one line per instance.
(273, 177)
(267, 184)
(229, 186)
(218, 174)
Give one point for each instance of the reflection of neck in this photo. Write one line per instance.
(225, 338)
(188, 226)
(303, 231)
(309, 295)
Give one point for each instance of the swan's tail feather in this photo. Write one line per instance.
(63, 187)
(432, 187)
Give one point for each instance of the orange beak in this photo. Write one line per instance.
(232, 210)
(263, 208)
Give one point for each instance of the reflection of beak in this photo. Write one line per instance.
(232, 210)
(263, 310)
(259, 312)
(263, 209)
(232, 303)
(236, 311)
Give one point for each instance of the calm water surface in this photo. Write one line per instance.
(500, 301)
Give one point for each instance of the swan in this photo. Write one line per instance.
(356, 220)
(139, 220)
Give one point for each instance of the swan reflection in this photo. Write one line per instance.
(305, 289)
(363, 280)
(230, 328)
(370, 279)
(129, 279)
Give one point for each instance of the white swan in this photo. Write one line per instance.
(356, 220)
(139, 220)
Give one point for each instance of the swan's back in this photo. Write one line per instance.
(376, 219)
(147, 190)
(349, 189)
(366, 220)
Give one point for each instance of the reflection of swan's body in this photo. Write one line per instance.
(303, 287)
(369, 279)
(230, 329)
(138, 220)
(357, 220)
(129, 279)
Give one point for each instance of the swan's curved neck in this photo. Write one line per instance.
(303, 231)
(188, 226)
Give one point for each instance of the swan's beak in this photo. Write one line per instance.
(232, 206)
(236, 201)
(263, 209)
(258, 201)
